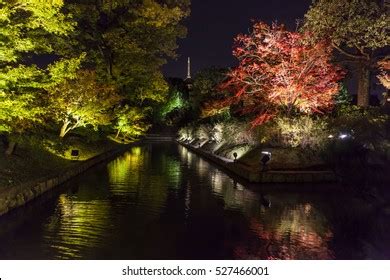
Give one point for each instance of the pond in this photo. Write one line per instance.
(161, 201)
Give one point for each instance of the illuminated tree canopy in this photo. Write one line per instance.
(78, 62)
(206, 88)
(129, 41)
(358, 30)
(281, 72)
(82, 101)
(28, 29)
(130, 122)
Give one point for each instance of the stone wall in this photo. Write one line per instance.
(16, 196)
(256, 175)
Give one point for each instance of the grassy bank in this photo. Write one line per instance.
(31, 161)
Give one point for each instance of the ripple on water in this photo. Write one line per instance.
(161, 201)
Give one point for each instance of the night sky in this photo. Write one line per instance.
(213, 24)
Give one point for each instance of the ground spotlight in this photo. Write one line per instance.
(265, 158)
(344, 136)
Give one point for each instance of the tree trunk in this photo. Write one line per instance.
(117, 134)
(64, 129)
(363, 94)
(11, 148)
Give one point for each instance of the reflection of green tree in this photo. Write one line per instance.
(130, 163)
(149, 179)
(78, 226)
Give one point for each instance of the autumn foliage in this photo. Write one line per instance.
(384, 76)
(280, 72)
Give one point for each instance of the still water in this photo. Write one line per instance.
(160, 201)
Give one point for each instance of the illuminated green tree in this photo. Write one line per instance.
(128, 41)
(82, 101)
(207, 89)
(343, 98)
(174, 103)
(358, 29)
(29, 29)
(130, 122)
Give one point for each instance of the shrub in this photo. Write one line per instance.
(302, 131)
(234, 132)
(369, 127)
(230, 132)
(204, 132)
(186, 132)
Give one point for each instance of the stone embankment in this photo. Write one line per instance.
(257, 175)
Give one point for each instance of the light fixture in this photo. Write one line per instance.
(266, 157)
(344, 136)
(235, 156)
(75, 154)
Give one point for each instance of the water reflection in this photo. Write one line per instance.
(77, 226)
(284, 231)
(161, 201)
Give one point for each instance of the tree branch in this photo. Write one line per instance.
(346, 53)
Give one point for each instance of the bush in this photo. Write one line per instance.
(300, 132)
(230, 132)
(187, 132)
(369, 127)
(204, 132)
(234, 132)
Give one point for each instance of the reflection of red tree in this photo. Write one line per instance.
(289, 239)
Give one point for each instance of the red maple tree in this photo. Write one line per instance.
(281, 72)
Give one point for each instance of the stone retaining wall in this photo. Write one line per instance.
(16, 196)
(257, 176)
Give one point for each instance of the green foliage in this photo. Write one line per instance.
(358, 30)
(356, 24)
(229, 132)
(82, 101)
(369, 127)
(26, 26)
(28, 29)
(304, 131)
(206, 89)
(131, 122)
(128, 42)
(343, 98)
(176, 102)
(174, 108)
(186, 133)
(206, 83)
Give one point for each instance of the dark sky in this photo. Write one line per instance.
(213, 24)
